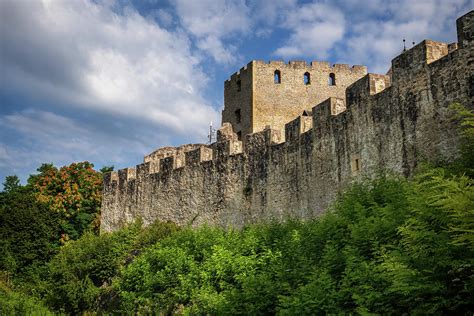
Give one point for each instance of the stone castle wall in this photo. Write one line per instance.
(389, 123)
(277, 104)
(238, 96)
(254, 101)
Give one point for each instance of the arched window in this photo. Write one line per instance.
(277, 76)
(332, 79)
(307, 78)
(239, 85)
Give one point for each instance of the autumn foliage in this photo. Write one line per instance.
(74, 193)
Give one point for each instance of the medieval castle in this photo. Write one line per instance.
(294, 135)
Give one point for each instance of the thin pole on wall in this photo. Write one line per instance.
(212, 132)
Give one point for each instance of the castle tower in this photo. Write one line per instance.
(272, 94)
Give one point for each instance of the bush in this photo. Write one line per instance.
(81, 274)
(28, 232)
(14, 303)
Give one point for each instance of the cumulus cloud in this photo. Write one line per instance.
(366, 32)
(87, 55)
(315, 28)
(377, 31)
(89, 82)
(211, 22)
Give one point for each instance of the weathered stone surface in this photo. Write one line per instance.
(296, 167)
(254, 101)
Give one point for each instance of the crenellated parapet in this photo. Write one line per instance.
(283, 154)
(417, 58)
(198, 155)
(318, 66)
(272, 93)
(298, 126)
(227, 144)
(465, 27)
(370, 84)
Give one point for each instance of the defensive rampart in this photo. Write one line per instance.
(384, 123)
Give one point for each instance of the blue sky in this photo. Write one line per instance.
(110, 81)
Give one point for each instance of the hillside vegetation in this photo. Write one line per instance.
(386, 246)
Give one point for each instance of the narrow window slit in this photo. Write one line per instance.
(277, 77)
(238, 116)
(307, 78)
(332, 79)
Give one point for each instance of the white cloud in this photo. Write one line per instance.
(211, 22)
(272, 12)
(376, 32)
(315, 28)
(215, 47)
(85, 54)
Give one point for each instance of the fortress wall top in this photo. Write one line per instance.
(298, 126)
(322, 66)
(224, 149)
(167, 165)
(321, 116)
(160, 153)
(381, 128)
(169, 151)
(300, 87)
(260, 142)
(368, 85)
(110, 179)
(125, 175)
(238, 96)
(272, 93)
(166, 159)
(465, 29)
(226, 133)
(415, 59)
(198, 155)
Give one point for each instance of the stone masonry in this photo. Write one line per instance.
(254, 99)
(293, 146)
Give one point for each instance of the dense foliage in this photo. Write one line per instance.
(387, 246)
(74, 192)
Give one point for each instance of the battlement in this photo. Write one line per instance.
(236, 76)
(272, 93)
(293, 136)
(298, 126)
(416, 58)
(322, 66)
(465, 27)
(370, 84)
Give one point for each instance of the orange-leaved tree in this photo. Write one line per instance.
(74, 192)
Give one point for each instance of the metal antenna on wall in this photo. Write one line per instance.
(404, 47)
(212, 132)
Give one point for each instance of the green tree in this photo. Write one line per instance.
(11, 183)
(81, 274)
(106, 169)
(465, 118)
(28, 232)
